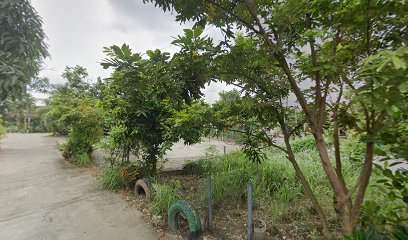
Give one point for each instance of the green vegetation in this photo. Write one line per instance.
(22, 46)
(73, 111)
(155, 87)
(387, 199)
(271, 63)
(82, 120)
(21, 113)
(121, 176)
(164, 197)
(276, 184)
(2, 131)
(352, 55)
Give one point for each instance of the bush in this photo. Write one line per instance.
(198, 167)
(84, 123)
(164, 196)
(385, 206)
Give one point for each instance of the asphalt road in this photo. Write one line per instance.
(43, 197)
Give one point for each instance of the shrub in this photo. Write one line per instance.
(164, 196)
(84, 123)
(198, 167)
(385, 206)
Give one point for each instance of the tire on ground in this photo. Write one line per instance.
(144, 187)
(190, 213)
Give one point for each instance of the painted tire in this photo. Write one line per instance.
(143, 187)
(190, 213)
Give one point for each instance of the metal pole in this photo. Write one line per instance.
(250, 224)
(210, 207)
(225, 149)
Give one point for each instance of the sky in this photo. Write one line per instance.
(77, 31)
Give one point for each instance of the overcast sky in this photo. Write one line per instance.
(77, 31)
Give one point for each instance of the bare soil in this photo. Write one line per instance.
(230, 217)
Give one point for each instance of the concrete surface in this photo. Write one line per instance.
(43, 197)
(178, 155)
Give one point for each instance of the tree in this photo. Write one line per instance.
(75, 87)
(320, 43)
(77, 82)
(142, 94)
(73, 110)
(17, 111)
(22, 46)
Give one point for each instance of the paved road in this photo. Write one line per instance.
(43, 197)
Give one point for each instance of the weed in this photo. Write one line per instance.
(110, 178)
(164, 196)
(121, 176)
(274, 180)
(82, 159)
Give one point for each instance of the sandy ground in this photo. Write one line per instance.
(44, 197)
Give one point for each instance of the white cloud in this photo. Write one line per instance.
(78, 30)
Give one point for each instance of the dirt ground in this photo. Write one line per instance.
(44, 197)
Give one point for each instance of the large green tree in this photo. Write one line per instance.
(143, 92)
(22, 46)
(315, 49)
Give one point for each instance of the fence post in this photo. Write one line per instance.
(225, 149)
(250, 223)
(209, 203)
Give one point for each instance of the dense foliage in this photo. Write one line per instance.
(332, 71)
(22, 46)
(73, 111)
(143, 93)
(274, 62)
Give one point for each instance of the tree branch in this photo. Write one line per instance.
(232, 14)
(284, 65)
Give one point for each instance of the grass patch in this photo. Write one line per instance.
(110, 178)
(274, 180)
(82, 159)
(164, 196)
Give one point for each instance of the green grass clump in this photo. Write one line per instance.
(82, 159)
(164, 196)
(274, 180)
(110, 178)
(303, 144)
(121, 176)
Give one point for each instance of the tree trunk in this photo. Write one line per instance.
(363, 183)
(337, 186)
(325, 224)
(343, 210)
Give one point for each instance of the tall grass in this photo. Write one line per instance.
(164, 196)
(111, 178)
(274, 180)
